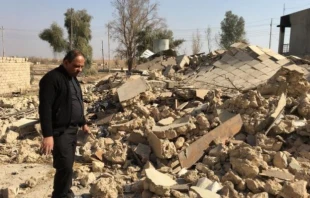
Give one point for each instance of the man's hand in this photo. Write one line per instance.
(86, 129)
(47, 145)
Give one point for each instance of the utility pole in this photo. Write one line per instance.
(102, 54)
(2, 41)
(270, 34)
(283, 9)
(71, 27)
(109, 46)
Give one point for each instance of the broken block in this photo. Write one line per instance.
(182, 61)
(97, 166)
(158, 182)
(294, 189)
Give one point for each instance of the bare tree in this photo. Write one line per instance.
(217, 38)
(209, 38)
(196, 42)
(130, 17)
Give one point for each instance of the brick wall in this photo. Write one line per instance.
(14, 74)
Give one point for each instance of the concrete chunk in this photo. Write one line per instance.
(295, 190)
(178, 123)
(163, 149)
(158, 182)
(278, 174)
(11, 137)
(182, 61)
(166, 121)
(204, 193)
(280, 160)
(201, 93)
(131, 89)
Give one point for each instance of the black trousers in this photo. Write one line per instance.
(63, 159)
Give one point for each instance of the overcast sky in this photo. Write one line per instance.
(23, 20)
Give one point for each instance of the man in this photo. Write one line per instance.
(61, 115)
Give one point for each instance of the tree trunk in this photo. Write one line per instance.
(130, 64)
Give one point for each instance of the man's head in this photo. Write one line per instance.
(74, 62)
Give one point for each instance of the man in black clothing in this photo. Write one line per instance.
(61, 114)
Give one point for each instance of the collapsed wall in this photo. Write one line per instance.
(14, 75)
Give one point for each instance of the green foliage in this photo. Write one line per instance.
(232, 28)
(81, 34)
(54, 36)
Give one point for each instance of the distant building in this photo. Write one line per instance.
(299, 42)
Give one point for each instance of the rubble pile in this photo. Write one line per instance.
(228, 124)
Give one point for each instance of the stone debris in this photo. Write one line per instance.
(32, 182)
(204, 193)
(158, 182)
(88, 179)
(104, 187)
(97, 166)
(294, 189)
(232, 123)
(280, 160)
(11, 137)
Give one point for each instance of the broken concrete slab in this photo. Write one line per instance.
(182, 61)
(131, 89)
(204, 182)
(158, 182)
(166, 121)
(204, 193)
(256, 50)
(278, 174)
(182, 106)
(223, 132)
(224, 115)
(24, 125)
(104, 119)
(180, 126)
(136, 137)
(163, 149)
(281, 105)
(201, 93)
(177, 123)
(157, 84)
(275, 116)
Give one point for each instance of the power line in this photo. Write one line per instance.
(297, 6)
(270, 34)
(2, 42)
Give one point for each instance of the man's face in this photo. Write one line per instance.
(75, 67)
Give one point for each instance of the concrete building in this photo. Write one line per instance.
(299, 41)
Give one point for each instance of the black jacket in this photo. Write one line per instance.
(55, 101)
